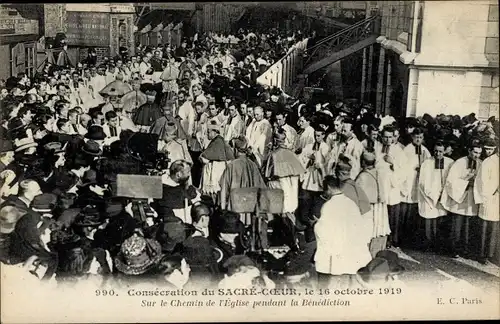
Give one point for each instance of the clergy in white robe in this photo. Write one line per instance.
(281, 170)
(187, 116)
(306, 135)
(234, 126)
(313, 158)
(415, 154)
(431, 181)
(371, 181)
(173, 146)
(350, 146)
(458, 197)
(342, 237)
(215, 159)
(390, 159)
(291, 134)
(486, 195)
(260, 135)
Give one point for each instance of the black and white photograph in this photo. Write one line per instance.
(249, 161)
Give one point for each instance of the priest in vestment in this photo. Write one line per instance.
(458, 199)
(486, 195)
(306, 133)
(370, 180)
(291, 133)
(175, 147)
(349, 146)
(234, 127)
(282, 170)
(415, 153)
(260, 134)
(342, 237)
(431, 181)
(391, 159)
(215, 159)
(313, 159)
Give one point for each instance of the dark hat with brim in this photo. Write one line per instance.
(92, 148)
(95, 133)
(89, 217)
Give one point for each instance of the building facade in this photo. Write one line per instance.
(434, 57)
(18, 37)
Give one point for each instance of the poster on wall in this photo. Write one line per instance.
(88, 29)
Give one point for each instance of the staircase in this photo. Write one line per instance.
(342, 44)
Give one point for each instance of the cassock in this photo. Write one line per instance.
(342, 238)
(112, 133)
(352, 149)
(218, 153)
(433, 174)
(458, 194)
(259, 137)
(177, 199)
(486, 195)
(239, 173)
(234, 128)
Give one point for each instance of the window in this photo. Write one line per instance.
(30, 59)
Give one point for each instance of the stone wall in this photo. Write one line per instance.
(55, 19)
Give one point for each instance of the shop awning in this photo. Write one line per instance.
(163, 17)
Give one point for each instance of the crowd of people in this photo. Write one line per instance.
(335, 184)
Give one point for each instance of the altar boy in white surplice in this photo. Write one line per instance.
(458, 198)
(433, 173)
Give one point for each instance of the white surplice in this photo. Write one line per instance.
(430, 186)
(486, 189)
(458, 197)
(409, 189)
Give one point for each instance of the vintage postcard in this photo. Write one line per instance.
(249, 161)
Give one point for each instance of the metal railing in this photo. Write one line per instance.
(343, 38)
(284, 72)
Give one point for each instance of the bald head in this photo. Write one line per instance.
(258, 113)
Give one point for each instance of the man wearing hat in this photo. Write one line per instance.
(215, 159)
(486, 195)
(431, 181)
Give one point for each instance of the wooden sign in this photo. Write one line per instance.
(88, 28)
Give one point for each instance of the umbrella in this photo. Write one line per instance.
(133, 100)
(116, 88)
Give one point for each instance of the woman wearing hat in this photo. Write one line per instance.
(30, 238)
(138, 258)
